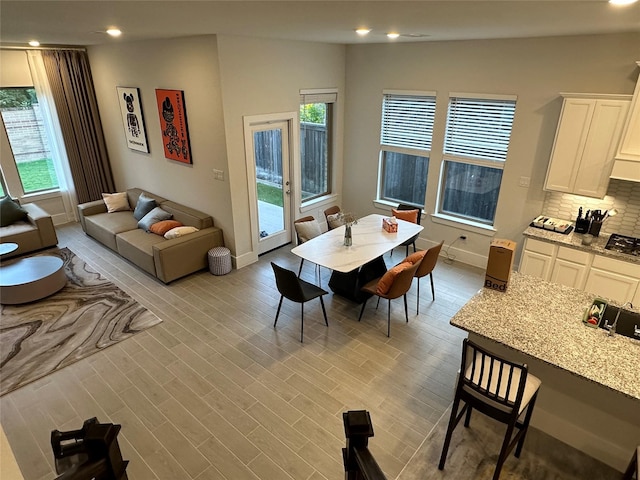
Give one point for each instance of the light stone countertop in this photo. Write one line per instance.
(544, 320)
(574, 240)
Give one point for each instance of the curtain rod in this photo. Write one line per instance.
(29, 47)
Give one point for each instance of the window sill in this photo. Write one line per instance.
(462, 224)
(311, 204)
(44, 195)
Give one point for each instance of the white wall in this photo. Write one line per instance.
(535, 70)
(261, 76)
(188, 64)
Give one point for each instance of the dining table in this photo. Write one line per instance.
(355, 265)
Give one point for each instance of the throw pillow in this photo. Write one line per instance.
(164, 226)
(116, 202)
(406, 215)
(145, 205)
(179, 232)
(154, 216)
(307, 230)
(336, 220)
(415, 257)
(384, 284)
(10, 212)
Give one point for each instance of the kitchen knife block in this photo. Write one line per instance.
(582, 225)
(594, 228)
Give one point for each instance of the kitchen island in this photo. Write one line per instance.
(590, 394)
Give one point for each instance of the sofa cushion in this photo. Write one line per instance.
(187, 215)
(116, 202)
(145, 205)
(154, 216)
(105, 226)
(164, 226)
(10, 212)
(180, 232)
(137, 247)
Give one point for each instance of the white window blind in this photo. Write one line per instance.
(479, 128)
(407, 121)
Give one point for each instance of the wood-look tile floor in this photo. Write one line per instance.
(215, 392)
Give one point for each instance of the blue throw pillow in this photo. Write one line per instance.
(154, 216)
(145, 205)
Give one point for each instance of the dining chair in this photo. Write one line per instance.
(393, 284)
(296, 290)
(397, 212)
(498, 388)
(428, 263)
(331, 211)
(306, 229)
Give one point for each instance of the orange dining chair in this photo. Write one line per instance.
(395, 283)
(327, 213)
(406, 212)
(306, 229)
(426, 267)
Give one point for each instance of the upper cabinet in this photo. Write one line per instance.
(586, 140)
(627, 164)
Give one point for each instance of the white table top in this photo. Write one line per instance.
(370, 241)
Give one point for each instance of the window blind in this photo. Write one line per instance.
(479, 128)
(407, 121)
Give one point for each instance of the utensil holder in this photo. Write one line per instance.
(594, 228)
(582, 225)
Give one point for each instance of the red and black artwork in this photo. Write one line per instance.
(173, 122)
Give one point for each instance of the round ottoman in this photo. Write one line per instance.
(219, 260)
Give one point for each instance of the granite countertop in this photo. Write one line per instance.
(574, 240)
(544, 320)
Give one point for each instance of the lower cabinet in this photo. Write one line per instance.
(614, 279)
(597, 274)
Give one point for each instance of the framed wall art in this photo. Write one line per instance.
(132, 118)
(173, 123)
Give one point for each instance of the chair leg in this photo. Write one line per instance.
(406, 251)
(433, 292)
(525, 425)
(504, 451)
(406, 313)
(301, 321)
(418, 300)
(362, 309)
(324, 312)
(467, 418)
(414, 247)
(378, 303)
(450, 427)
(300, 269)
(278, 312)
(389, 319)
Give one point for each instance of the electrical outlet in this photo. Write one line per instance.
(218, 174)
(462, 237)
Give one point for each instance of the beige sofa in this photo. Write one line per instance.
(165, 259)
(33, 233)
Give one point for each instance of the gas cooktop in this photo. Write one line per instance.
(624, 244)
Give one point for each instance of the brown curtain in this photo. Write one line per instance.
(71, 84)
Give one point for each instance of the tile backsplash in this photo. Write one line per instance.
(621, 195)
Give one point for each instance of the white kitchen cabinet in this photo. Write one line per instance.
(537, 258)
(627, 165)
(571, 267)
(585, 145)
(613, 278)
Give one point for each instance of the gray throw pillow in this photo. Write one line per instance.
(154, 216)
(10, 212)
(145, 205)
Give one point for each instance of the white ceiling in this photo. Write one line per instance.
(54, 22)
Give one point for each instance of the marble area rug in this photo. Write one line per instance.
(90, 313)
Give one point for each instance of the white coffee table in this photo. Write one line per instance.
(30, 279)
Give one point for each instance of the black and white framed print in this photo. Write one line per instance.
(132, 118)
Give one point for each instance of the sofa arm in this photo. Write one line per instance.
(43, 222)
(90, 208)
(181, 256)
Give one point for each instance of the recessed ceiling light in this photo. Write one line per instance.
(34, 43)
(622, 2)
(393, 35)
(114, 32)
(363, 31)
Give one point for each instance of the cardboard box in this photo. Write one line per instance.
(390, 226)
(500, 263)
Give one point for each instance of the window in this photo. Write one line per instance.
(316, 130)
(405, 146)
(475, 150)
(25, 129)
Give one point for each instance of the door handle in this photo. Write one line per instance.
(288, 192)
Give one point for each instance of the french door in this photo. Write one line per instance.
(268, 158)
